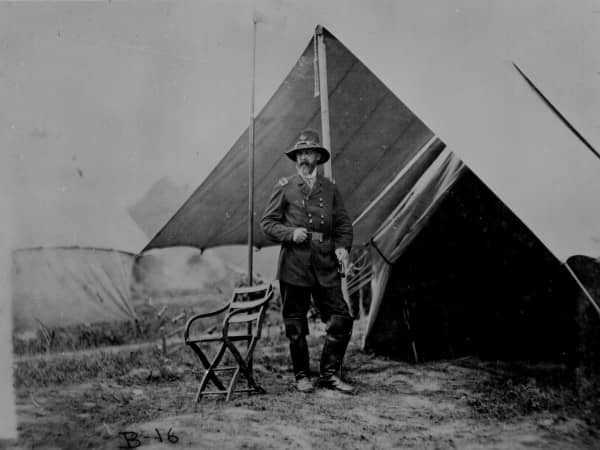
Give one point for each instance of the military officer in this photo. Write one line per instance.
(307, 216)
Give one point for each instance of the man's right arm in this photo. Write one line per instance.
(272, 219)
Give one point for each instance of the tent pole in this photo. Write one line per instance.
(251, 159)
(583, 288)
(324, 96)
(562, 118)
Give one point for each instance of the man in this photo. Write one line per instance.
(307, 216)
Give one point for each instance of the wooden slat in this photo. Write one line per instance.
(218, 337)
(251, 289)
(247, 304)
(242, 318)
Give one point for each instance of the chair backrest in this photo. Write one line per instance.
(248, 306)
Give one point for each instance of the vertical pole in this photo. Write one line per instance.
(251, 160)
(324, 96)
(361, 302)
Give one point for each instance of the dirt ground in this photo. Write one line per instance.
(441, 405)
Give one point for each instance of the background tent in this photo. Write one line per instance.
(59, 287)
(399, 183)
(170, 273)
(65, 286)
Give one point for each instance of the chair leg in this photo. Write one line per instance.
(250, 368)
(232, 383)
(243, 365)
(249, 359)
(207, 364)
(210, 374)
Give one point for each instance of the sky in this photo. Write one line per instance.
(102, 99)
(105, 98)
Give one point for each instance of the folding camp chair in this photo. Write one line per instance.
(242, 323)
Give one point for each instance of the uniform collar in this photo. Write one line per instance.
(316, 189)
(300, 180)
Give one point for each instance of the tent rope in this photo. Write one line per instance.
(556, 111)
(378, 250)
(583, 288)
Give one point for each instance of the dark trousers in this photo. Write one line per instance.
(334, 313)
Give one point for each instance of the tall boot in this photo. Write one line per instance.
(339, 330)
(296, 331)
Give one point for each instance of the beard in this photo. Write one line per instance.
(306, 167)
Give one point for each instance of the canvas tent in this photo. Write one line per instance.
(71, 256)
(367, 119)
(399, 182)
(458, 273)
(65, 286)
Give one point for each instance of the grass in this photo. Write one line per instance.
(113, 389)
(80, 337)
(146, 365)
(150, 326)
(154, 321)
(511, 390)
(103, 365)
(508, 390)
(105, 393)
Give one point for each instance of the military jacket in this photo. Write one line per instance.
(293, 204)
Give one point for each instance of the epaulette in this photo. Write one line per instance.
(282, 182)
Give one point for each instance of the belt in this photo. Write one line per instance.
(317, 236)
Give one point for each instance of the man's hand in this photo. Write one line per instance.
(300, 235)
(342, 256)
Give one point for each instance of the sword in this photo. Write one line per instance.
(344, 279)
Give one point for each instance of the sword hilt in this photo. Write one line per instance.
(341, 268)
